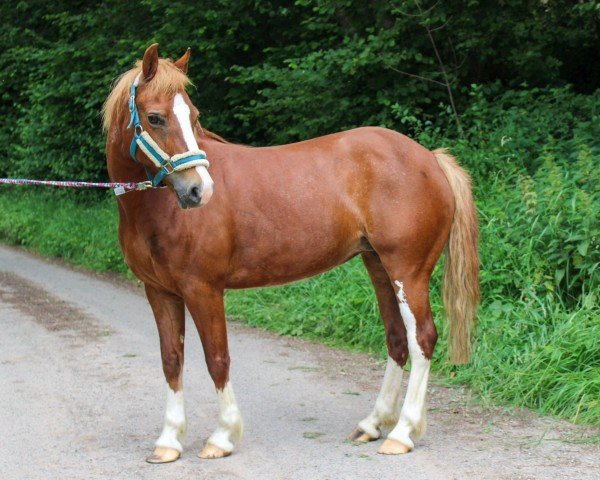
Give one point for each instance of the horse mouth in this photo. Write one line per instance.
(187, 203)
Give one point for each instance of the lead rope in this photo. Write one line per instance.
(119, 188)
(167, 164)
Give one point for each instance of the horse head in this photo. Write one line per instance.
(162, 126)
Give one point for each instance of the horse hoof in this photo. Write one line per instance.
(360, 436)
(211, 451)
(163, 455)
(393, 447)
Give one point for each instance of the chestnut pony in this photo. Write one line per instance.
(278, 214)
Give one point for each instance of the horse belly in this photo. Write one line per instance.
(275, 254)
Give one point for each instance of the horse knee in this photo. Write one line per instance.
(172, 364)
(218, 368)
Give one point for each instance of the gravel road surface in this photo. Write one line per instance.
(82, 396)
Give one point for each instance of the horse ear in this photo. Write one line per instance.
(182, 63)
(150, 62)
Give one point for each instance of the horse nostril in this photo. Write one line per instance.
(194, 194)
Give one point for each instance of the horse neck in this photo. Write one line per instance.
(121, 167)
(124, 169)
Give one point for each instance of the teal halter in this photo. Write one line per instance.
(166, 164)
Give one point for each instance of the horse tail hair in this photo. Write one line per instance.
(461, 292)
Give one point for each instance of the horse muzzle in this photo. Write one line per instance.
(193, 192)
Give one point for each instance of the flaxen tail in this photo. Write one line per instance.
(461, 271)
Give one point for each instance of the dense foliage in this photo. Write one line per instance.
(268, 72)
(523, 78)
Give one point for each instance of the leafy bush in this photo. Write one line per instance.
(269, 72)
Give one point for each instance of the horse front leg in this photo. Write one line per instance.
(170, 319)
(208, 312)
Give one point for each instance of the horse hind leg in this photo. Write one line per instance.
(387, 405)
(170, 320)
(413, 302)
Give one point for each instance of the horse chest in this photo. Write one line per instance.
(146, 255)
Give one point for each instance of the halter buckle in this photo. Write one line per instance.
(168, 167)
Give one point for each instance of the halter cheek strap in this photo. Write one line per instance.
(166, 164)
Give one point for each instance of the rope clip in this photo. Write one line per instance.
(144, 185)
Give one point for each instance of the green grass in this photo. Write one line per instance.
(531, 351)
(538, 341)
(56, 225)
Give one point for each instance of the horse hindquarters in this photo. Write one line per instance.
(408, 264)
(460, 294)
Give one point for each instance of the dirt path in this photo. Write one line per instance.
(82, 397)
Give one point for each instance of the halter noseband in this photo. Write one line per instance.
(167, 164)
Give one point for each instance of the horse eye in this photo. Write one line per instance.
(155, 120)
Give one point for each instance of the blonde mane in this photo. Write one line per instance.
(168, 79)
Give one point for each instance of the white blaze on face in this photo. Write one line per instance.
(412, 416)
(182, 112)
(231, 426)
(174, 428)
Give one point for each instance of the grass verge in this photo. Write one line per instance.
(529, 352)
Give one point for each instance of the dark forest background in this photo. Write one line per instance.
(275, 72)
